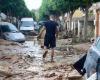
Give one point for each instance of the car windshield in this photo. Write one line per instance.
(8, 28)
(27, 23)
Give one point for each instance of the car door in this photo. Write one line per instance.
(92, 57)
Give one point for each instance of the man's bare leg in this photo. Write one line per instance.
(52, 55)
(42, 44)
(45, 53)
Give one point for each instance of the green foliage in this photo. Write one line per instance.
(33, 15)
(15, 8)
(87, 3)
(59, 7)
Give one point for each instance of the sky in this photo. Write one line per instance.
(33, 4)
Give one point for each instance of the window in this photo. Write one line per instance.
(27, 23)
(5, 28)
(8, 28)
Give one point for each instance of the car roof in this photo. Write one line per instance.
(27, 19)
(4, 23)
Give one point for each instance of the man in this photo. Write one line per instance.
(50, 37)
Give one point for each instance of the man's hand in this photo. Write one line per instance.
(38, 37)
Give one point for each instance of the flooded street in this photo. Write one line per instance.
(24, 61)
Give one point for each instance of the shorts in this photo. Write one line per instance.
(50, 41)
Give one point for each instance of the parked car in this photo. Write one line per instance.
(9, 32)
(41, 22)
(27, 26)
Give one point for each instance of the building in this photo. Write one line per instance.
(96, 10)
(77, 24)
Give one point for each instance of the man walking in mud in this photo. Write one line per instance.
(50, 37)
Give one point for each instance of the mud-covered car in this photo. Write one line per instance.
(9, 32)
(89, 64)
(92, 62)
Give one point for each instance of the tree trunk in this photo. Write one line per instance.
(63, 21)
(72, 30)
(70, 21)
(70, 25)
(61, 27)
(85, 38)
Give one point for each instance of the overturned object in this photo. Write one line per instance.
(79, 65)
(74, 75)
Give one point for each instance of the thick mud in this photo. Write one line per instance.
(24, 61)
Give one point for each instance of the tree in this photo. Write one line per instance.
(59, 7)
(67, 6)
(33, 14)
(85, 5)
(16, 8)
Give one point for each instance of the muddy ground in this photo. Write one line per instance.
(24, 61)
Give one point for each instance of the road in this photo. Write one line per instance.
(24, 61)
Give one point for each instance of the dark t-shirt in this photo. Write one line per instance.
(51, 27)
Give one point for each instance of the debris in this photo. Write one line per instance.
(74, 75)
(48, 75)
(5, 58)
(22, 63)
(5, 70)
(15, 59)
(4, 73)
(60, 77)
(33, 69)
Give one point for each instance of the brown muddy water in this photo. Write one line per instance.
(24, 61)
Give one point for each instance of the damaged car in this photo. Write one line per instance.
(9, 32)
(89, 64)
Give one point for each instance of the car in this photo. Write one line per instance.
(41, 23)
(89, 64)
(9, 32)
(27, 26)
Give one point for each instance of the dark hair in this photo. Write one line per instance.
(46, 17)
